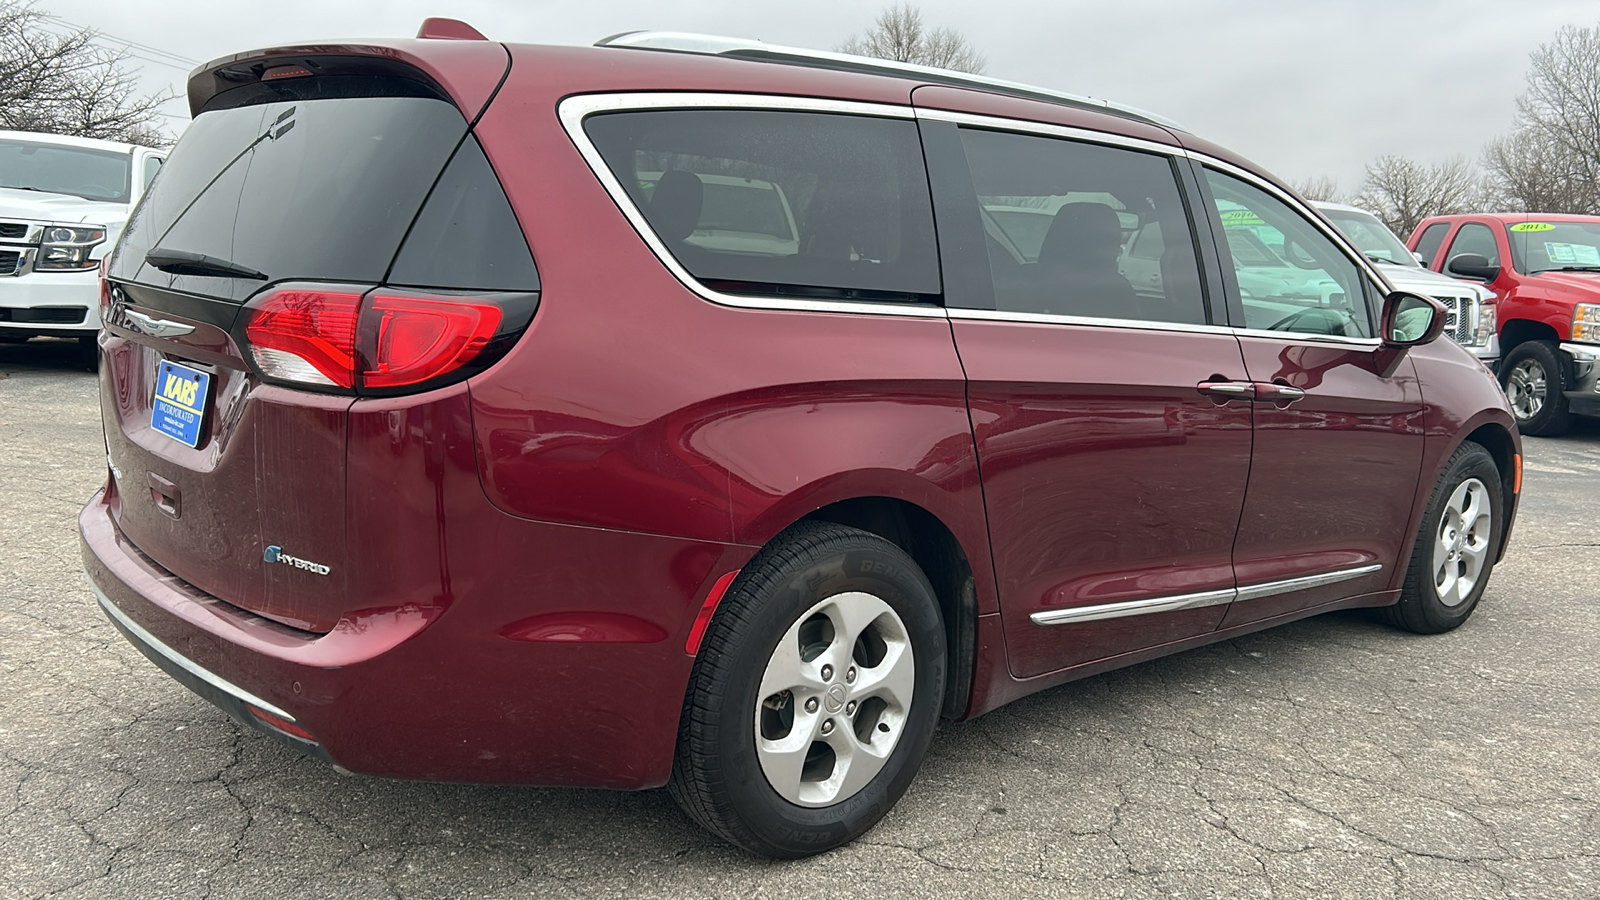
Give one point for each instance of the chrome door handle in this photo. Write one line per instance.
(1230, 389)
(156, 327)
(1281, 394)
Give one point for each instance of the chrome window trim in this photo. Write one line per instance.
(1371, 343)
(573, 110)
(1147, 606)
(181, 661)
(1000, 315)
(1045, 129)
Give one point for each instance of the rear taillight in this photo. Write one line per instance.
(105, 287)
(306, 336)
(379, 340)
(410, 340)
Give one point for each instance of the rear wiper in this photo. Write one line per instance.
(183, 262)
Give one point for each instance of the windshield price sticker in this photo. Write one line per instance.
(180, 402)
(1533, 226)
(1582, 254)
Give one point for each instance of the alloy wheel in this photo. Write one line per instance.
(1461, 547)
(1526, 384)
(834, 699)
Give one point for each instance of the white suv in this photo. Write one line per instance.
(63, 201)
(1471, 318)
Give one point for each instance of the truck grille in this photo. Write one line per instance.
(8, 261)
(1458, 318)
(13, 229)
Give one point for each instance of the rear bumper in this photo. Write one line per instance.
(447, 694)
(55, 303)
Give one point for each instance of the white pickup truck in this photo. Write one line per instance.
(1470, 320)
(63, 202)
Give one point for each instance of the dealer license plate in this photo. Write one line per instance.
(180, 402)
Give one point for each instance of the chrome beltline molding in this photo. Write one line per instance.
(1151, 605)
(573, 110)
(181, 661)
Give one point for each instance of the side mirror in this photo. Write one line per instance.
(1471, 265)
(1419, 257)
(1411, 319)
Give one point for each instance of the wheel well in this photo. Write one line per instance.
(1497, 441)
(1520, 331)
(931, 545)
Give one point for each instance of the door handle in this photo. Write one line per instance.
(1280, 394)
(1230, 390)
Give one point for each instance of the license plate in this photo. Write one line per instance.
(180, 402)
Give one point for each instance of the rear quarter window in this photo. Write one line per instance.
(775, 202)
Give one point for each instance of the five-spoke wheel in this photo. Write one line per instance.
(815, 694)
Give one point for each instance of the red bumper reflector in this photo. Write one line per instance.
(280, 723)
(698, 632)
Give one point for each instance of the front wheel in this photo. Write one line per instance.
(1534, 377)
(1455, 548)
(814, 696)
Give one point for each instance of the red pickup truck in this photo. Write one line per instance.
(1545, 270)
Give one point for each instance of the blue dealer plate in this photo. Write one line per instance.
(180, 402)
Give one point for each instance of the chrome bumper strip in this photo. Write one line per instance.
(179, 660)
(1151, 605)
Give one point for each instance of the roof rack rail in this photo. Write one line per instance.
(760, 51)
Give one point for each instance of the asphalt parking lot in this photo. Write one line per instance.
(1331, 758)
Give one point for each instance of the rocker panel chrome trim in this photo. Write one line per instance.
(1151, 605)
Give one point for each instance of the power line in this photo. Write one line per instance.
(171, 59)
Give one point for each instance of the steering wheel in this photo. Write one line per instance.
(1288, 322)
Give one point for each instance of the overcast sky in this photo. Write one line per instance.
(1304, 87)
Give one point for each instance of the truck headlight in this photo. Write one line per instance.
(1487, 320)
(1586, 322)
(66, 248)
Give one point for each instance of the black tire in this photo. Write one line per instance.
(88, 354)
(717, 776)
(1553, 417)
(1420, 608)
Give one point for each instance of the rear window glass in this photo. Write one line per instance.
(765, 202)
(303, 189)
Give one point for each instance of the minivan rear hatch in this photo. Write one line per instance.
(305, 176)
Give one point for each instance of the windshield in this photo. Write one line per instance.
(1371, 237)
(54, 169)
(1553, 246)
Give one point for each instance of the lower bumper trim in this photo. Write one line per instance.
(169, 659)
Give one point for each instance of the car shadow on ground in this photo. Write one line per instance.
(42, 353)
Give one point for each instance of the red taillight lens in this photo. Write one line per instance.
(306, 336)
(105, 287)
(410, 340)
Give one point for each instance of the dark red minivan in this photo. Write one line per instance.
(692, 412)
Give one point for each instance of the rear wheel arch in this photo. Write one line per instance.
(936, 550)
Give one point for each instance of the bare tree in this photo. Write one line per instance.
(1403, 192)
(69, 83)
(1551, 163)
(900, 35)
(1321, 188)
(1525, 172)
